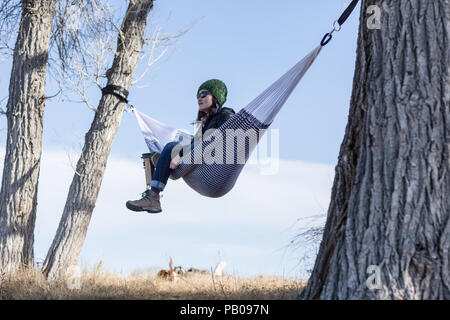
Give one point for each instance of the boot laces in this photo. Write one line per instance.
(146, 194)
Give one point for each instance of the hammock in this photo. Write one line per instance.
(218, 178)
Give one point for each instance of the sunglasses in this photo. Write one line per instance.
(203, 94)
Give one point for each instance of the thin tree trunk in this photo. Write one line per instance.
(25, 109)
(387, 234)
(71, 233)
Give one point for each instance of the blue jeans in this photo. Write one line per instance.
(162, 170)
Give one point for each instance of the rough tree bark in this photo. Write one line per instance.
(25, 109)
(390, 202)
(83, 192)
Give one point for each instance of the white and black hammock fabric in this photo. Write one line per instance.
(218, 178)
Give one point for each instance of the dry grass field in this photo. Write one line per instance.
(97, 284)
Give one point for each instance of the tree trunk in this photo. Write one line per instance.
(83, 192)
(25, 109)
(387, 234)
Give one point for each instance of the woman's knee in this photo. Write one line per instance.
(172, 148)
(170, 145)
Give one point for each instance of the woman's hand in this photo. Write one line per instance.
(175, 162)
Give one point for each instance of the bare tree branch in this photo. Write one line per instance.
(10, 11)
(156, 42)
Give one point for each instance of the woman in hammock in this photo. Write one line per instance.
(211, 96)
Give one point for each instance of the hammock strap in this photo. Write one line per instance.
(347, 12)
(118, 91)
(328, 36)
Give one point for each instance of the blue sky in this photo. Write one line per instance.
(247, 44)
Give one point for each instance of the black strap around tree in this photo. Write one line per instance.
(327, 37)
(117, 91)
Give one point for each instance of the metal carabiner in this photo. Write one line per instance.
(327, 37)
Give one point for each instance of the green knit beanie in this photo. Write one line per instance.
(217, 88)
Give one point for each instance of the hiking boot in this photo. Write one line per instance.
(149, 202)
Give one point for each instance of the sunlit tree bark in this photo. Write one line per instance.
(25, 110)
(387, 234)
(83, 192)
